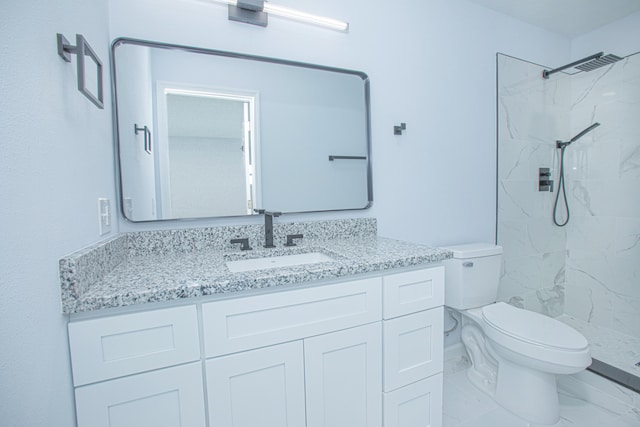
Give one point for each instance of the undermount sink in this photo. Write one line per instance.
(276, 262)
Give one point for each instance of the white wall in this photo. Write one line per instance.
(55, 161)
(217, 166)
(621, 38)
(431, 63)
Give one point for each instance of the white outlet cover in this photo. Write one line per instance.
(104, 216)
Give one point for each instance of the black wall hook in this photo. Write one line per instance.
(397, 130)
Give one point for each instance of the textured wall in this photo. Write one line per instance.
(55, 161)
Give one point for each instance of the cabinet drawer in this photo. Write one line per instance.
(257, 321)
(115, 346)
(171, 397)
(416, 405)
(413, 291)
(413, 348)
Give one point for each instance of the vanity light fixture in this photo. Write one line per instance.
(256, 12)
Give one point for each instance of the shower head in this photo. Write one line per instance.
(598, 62)
(560, 144)
(589, 63)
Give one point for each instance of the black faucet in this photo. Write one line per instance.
(268, 226)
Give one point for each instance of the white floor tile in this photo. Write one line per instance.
(466, 406)
(577, 412)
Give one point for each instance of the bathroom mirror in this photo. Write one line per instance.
(203, 133)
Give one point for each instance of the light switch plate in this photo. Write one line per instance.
(104, 216)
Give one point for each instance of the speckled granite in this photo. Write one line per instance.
(170, 265)
(88, 266)
(163, 242)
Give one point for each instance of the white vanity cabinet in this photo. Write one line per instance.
(355, 353)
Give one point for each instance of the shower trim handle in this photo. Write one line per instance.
(545, 183)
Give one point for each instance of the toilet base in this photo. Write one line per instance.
(483, 372)
(528, 393)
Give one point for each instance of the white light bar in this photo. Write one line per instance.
(309, 18)
(296, 15)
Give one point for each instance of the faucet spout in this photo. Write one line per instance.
(268, 226)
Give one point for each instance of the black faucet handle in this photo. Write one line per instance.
(244, 244)
(290, 238)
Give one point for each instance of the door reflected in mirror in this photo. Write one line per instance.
(228, 133)
(209, 143)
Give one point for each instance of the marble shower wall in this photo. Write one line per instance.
(589, 269)
(603, 237)
(532, 114)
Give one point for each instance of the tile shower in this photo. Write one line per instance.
(587, 273)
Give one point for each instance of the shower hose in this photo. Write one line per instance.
(561, 189)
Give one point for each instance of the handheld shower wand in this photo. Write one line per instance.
(560, 144)
(561, 187)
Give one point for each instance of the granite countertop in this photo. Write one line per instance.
(139, 277)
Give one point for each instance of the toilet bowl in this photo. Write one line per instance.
(528, 350)
(515, 353)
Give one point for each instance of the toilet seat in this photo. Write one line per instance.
(533, 328)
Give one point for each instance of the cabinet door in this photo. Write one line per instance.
(343, 378)
(416, 405)
(171, 397)
(263, 387)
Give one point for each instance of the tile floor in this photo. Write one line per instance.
(466, 406)
(609, 346)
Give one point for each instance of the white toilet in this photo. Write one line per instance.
(515, 353)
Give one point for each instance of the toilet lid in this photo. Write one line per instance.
(533, 327)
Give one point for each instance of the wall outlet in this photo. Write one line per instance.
(104, 216)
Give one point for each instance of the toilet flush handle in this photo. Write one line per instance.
(468, 264)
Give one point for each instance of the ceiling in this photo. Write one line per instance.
(568, 17)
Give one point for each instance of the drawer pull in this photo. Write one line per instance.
(467, 264)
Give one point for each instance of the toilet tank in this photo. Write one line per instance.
(472, 275)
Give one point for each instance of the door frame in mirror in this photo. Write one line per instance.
(250, 136)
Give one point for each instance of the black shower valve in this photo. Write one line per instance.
(545, 183)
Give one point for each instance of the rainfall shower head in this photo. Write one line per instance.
(598, 62)
(560, 144)
(589, 63)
